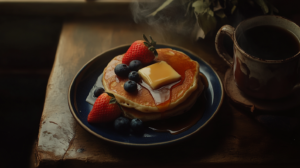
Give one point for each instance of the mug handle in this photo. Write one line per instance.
(224, 30)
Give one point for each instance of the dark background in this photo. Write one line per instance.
(27, 50)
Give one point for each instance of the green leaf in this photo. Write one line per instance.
(202, 6)
(153, 43)
(204, 15)
(146, 44)
(110, 94)
(151, 49)
(151, 39)
(166, 3)
(145, 38)
(206, 22)
(112, 101)
(210, 12)
(262, 4)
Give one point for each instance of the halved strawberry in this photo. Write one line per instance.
(141, 50)
(105, 109)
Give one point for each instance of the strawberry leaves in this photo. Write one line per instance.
(106, 109)
(142, 50)
(151, 45)
(114, 100)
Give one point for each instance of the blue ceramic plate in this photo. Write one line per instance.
(87, 76)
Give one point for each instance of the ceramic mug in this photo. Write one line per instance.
(256, 77)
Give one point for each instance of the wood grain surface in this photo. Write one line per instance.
(233, 139)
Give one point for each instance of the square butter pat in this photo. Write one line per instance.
(159, 74)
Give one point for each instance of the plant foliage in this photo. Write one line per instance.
(208, 12)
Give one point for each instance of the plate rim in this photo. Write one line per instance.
(137, 144)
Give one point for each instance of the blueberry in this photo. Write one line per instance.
(98, 91)
(134, 76)
(135, 65)
(122, 70)
(130, 86)
(122, 124)
(137, 125)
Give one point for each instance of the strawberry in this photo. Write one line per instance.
(141, 50)
(105, 109)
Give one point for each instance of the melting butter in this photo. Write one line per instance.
(159, 74)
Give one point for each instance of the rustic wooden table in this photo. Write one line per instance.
(234, 139)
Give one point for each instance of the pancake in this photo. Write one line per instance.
(143, 100)
(180, 109)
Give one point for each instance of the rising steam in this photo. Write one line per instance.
(173, 17)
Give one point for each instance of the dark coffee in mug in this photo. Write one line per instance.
(269, 42)
(276, 73)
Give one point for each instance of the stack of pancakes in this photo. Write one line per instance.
(142, 104)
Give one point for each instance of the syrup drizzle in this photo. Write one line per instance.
(161, 96)
(180, 65)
